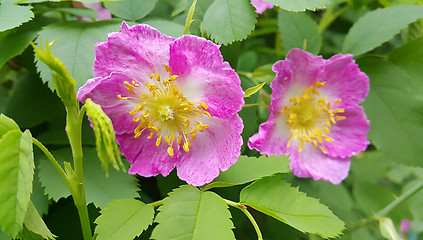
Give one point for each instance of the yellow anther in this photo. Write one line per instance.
(326, 130)
(307, 138)
(323, 149)
(122, 98)
(151, 135)
(167, 68)
(143, 96)
(158, 141)
(179, 139)
(207, 113)
(135, 84)
(338, 101)
(193, 136)
(319, 84)
(170, 151)
(332, 119)
(173, 78)
(339, 110)
(339, 118)
(175, 89)
(158, 77)
(130, 90)
(167, 139)
(328, 124)
(186, 147)
(152, 75)
(204, 105)
(187, 123)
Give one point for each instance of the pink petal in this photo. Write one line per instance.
(136, 51)
(215, 149)
(104, 91)
(311, 162)
(261, 6)
(203, 75)
(103, 13)
(147, 159)
(344, 80)
(272, 137)
(350, 134)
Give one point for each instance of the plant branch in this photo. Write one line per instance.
(248, 214)
(50, 157)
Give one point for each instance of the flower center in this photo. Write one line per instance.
(165, 112)
(310, 117)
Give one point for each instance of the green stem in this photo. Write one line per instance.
(51, 158)
(248, 214)
(330, 16)
(74, 129)
(400, 199)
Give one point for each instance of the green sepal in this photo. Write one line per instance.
(387, 229)
(63, 82)
(107, 149)
(189, 20)
(250, 91)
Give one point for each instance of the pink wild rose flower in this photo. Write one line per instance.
(173, 102)
(314, 115)
(261, 5)
(103, 13)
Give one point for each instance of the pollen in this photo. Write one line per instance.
(164, 112)
(310, 117)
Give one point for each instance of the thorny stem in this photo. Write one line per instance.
(248, 214)
(400, 200)
(387, 209)
(74, 129)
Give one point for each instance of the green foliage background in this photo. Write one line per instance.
(386, 38)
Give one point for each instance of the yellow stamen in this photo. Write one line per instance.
(170, 151)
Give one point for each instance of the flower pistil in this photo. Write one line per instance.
(166, 112)
(310, 117)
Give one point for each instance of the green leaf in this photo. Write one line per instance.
(248, 169)
(13, 43)
(16, 174)
(131, 9)
(12, 15)
(379, 26)
(415, 30)
(74, 47)
(35, 223)
(388, 230)
(300, 5)
(123, 219)
(395, 108)
(227, 21)
(99, 189)
(276, 198)
(107, 149)
(250, 91)
(166, 27)
(81, 12)
(299, 30)
(6, 125)
(190, 214)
